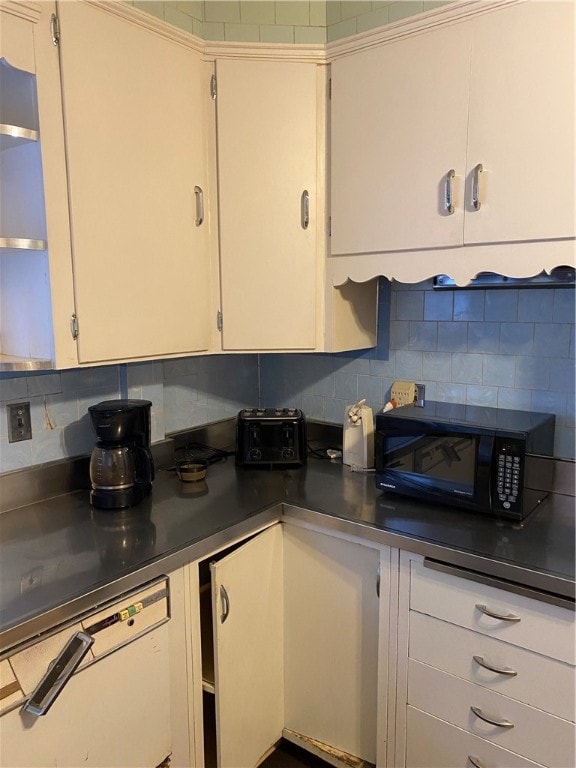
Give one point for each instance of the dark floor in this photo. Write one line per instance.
(287, 755)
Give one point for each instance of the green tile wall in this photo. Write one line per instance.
(282, 21)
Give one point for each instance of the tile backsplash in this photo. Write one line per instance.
(512, 348)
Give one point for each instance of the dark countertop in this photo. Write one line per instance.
(60, 557)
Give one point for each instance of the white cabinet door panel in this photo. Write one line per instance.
(247, 605)
(267, 158)
(398, 126)
(133, 105)
(522, 115)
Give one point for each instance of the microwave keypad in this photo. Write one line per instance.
(508, 479)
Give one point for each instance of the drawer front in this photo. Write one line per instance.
(433, 743)
(452, 649)
(544, 628)
(534, 734)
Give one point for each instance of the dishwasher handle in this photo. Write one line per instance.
(58, 674)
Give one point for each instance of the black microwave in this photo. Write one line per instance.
(473, 457)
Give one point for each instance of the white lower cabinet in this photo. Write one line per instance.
(294, 624)
(486, 676)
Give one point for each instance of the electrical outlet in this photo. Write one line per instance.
(404, 392)
(19, 422)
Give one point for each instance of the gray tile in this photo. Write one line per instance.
(564, 443)
(399, 333)
(370, 387)
(549, 402)
(450, 392)
(13, 388)
(383, 368)
(564, 305)
(514, 399)
(562, 375)
(532, 373)
(409, 365)
(44, 384)
(410, 305)
(346, 387)
(436, 366)
(517, 338)
(423, 336)
(313, 407)
(487, 396)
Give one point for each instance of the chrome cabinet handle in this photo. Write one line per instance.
(378, 576)
(476, 204)
(58, 674)
(499, 670)
(305, 209)
(225, 604)
(475, 761)
(199, 194)
(448, 192)
(491, 718)
(502, 616)
(54, 29)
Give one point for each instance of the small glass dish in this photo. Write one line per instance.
(191, 471)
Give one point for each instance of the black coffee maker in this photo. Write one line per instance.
(121, 465)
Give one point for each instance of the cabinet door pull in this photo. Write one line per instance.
(305, 209)
(475, 761)
(501, 723)
(476, 204)
(499, 670)
(199, 194)
(502, 616)
(448, 192)
(378, 572)
(225, 604)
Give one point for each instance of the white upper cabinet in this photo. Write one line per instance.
(399, 119)
(134, 106)
(455, 142)
(271, 135)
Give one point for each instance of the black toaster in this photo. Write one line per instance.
(269, 437)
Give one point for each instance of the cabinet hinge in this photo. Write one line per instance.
(329, 89)
(329, 226)
(213, 87)
(55, 29)
(219, 320)
(74, 326)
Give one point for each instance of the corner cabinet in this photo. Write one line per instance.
(292, 622)
(134, 110)
(271, 138)
(37, 298)
(453, 145)
(488, 649)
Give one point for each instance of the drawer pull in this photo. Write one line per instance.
(502, 616)
(491, 719)
(475, 761)
(499, 670)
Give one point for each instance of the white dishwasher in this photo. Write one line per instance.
(94, 694)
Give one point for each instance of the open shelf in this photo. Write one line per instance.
(22, 244)
(12, 363)
(14, 135)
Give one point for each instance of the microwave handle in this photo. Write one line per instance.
(59, 673)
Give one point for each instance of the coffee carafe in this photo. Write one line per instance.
(121, 465)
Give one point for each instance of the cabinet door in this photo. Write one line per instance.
(248, 627)
(267, 157)
(398, 126)
(331, 611)
(522, 125)
(133, 108)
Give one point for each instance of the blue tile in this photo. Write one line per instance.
(484, 337)
(564, 443)
(423, 336)
(532, 373)
(450, 393)
(436, 366)
(399, 334)
(552, 339)
(564, 308)
(498, 370)
(501, 305)
(346, 386)
(514, 399)
(313, 407)
(535, 305)
(334, 410)
(452, 337)
(549, 402)
(408, 365)
(485, 396)
(410, 305)
(370, 387)
(466, 368)
(469, 305)
(517, 338)
(562, 375)
(384, 368)
(13, 388)
(438, 305)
